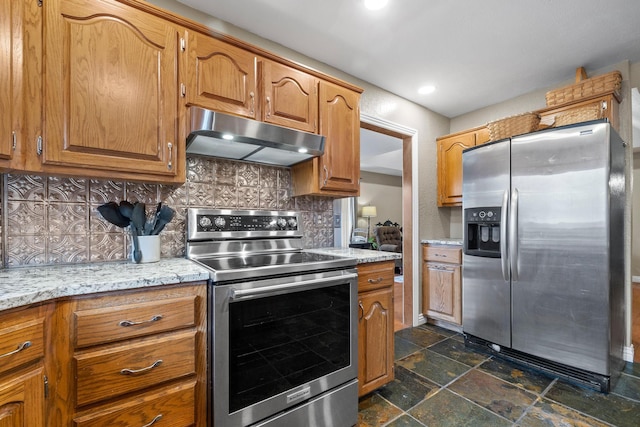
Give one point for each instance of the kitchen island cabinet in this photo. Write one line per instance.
(442, 284)
(375, 325)
(110, 92)
(22, 374)
(337, 171)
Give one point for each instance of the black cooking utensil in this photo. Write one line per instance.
(138, 219)
(111, 212)
(165, 215)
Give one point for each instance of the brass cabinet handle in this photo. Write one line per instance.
(268, 107)
(155, 364)
(326, 174)
(375, 281)
(14, 140)
(153, 421)
(253, 101)
(25, 345)
(170, 147)
(126, 323)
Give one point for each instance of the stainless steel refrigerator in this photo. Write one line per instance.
(543, 256)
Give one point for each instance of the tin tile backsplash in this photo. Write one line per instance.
(54, 220)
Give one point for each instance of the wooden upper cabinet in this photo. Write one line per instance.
(111, 89)
(10, 93)
(221, 77)
(337, 171)
(450, 167)
(290, 97)
(340, 124)
(20, 53)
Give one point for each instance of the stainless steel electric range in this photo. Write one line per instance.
(282, 322)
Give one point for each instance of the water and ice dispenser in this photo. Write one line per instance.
(482, 231)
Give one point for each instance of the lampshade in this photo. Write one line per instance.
(369, 211)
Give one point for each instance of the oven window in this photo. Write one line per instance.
(282, 341)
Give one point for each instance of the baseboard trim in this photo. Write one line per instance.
(627, 354)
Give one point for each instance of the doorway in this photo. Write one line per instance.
(408, 291)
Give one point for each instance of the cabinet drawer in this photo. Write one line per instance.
(442, 254)
(109, 324)
(170, 407)
(21, 343)
(375, 275)
(121, 369)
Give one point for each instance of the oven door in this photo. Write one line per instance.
(278, 343)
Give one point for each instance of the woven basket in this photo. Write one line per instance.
(589, 112)
(609, 82)
(514, 125)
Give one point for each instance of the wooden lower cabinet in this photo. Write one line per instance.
(442, 283)
(170, 406)
(131, 358)
(22, 400)
(375, 325)
(22, 373)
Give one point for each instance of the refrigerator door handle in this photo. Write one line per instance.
(513, 235)
(504, 246)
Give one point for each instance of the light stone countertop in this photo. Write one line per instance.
(452, 242)
(362, 256)
(22, 286)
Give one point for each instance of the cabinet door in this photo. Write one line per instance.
(22, 400)
(375, 339)
(290, 97)
(20, 52)
(221, 77)
(441, 292)
(450, 168)
(10, 93)
(110, 88)
(340, 124)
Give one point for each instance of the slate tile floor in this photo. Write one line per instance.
(439, 382)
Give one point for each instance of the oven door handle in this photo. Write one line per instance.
(237, 294)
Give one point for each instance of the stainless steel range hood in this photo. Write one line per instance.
(220, 135)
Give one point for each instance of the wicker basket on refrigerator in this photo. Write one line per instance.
(514, 125)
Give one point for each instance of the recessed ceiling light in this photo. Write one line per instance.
(425, 90)
(375, 4)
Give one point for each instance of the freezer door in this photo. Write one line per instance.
(486, 296)
(559, 242)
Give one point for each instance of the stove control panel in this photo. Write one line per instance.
(228, 222)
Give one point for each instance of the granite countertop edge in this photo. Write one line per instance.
(443, 241)
(23, 286)
(362, 256)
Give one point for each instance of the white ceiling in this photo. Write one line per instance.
(476, 53)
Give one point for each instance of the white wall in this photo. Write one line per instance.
(385, 193)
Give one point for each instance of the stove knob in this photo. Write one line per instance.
(292, 222)
(282, 223)
(219, 222)
(205, 222)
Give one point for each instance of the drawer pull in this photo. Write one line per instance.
(25, 345)
(375, 281)
(153, 421)
(130, 323)
(141, 370)
(441, 255)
